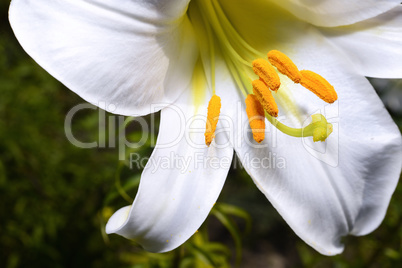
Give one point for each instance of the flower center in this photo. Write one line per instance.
(215, 31)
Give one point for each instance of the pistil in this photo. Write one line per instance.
(319, 128)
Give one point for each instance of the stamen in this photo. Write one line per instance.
(267, 73)
(214, 108)
(256, 118)
(318, 85)
(265, 97)
(284, 65)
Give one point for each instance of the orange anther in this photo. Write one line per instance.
(267, 73)
(265, 97)
(284, 65)
(256, 118)
(214, 108)
(318, 85)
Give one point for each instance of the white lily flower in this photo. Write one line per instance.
(135, 53)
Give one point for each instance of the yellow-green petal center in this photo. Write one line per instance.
(252, 70)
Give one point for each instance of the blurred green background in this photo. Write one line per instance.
(55, 198)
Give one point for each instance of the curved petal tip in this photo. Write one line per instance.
(118, 220)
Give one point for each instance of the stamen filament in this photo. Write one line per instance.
(244, 46)
(220, 33)
(211, 50)
(234, 60)
(234, 71)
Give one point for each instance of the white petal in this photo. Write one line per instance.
(329, 13)
(325, 190)
(173, 199)
(117, 219)
(373, 46)
(128, 54)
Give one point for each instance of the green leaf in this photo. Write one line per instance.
(202, 255)
(235, 211)
(233, 230)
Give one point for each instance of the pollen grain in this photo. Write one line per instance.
(255, 114)
(284, 65)
(265, 97)
(267, 73)
(318, 85)
(214, 108)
